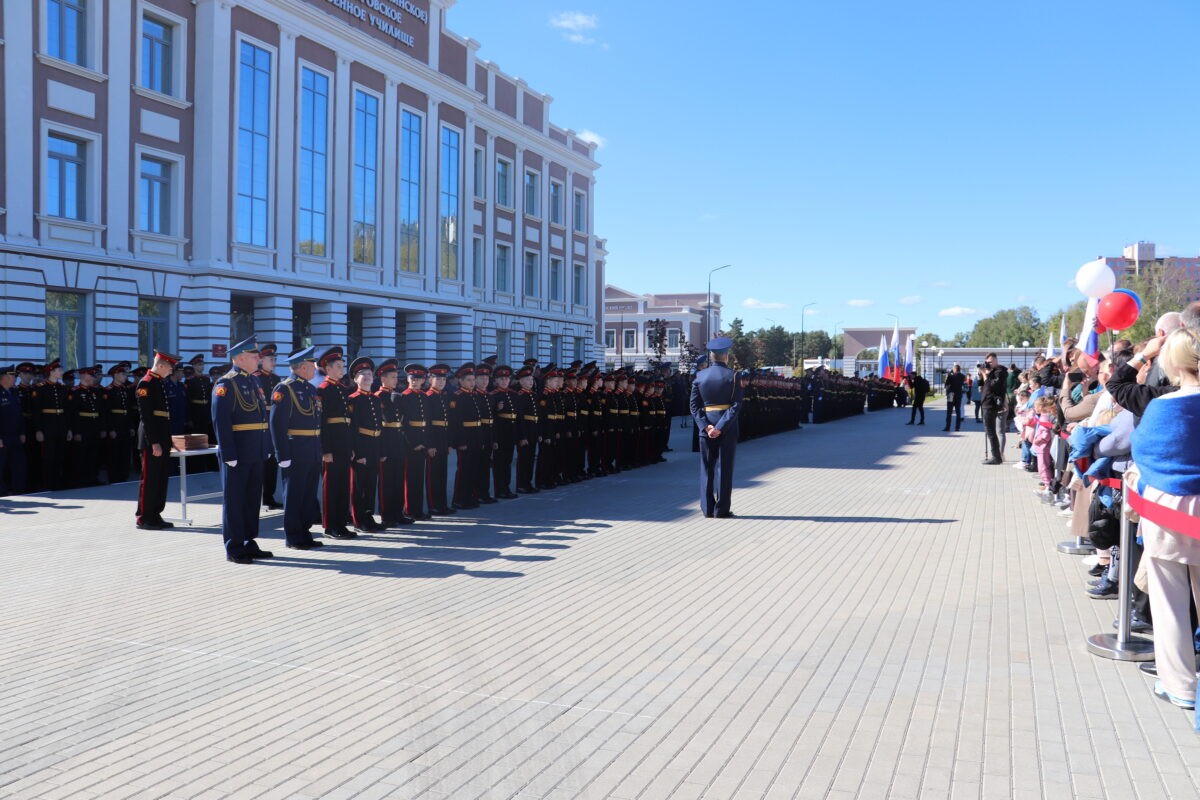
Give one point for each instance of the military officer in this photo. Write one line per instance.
(154, 440)
(465, 438)
(117, 403)
(239, 417)
(199, 394)
(49, 406)
(528, 431)
(506, 426)
(366, 429)
(267, 378)
(437, 442)
(715, 402)
(26, 373)
(337, 444)
(83, 418)
(393, 447)
(12, 434)
(411, 403)
(295, 420)
(487, 433)
(550, 431)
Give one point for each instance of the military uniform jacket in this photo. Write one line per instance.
(155, 425)
(49, 410)
(26, 394)
(570, 412)
(464, 419)
(487, 419)
(12, 418)
(583, 406)
(366, 424)
(549, 416)
(268, 381)
(117, 408)
(411, 407)
(392, 442)
(239, 417)
(503, 402)
(437, 409)
(645, 412)
(716, 398)
(199, 394)
(84, 408)
(529, 413)
(295, 417)
(336, 438)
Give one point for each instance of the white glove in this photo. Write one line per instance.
(285, 464)
(231, 463)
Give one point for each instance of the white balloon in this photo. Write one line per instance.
(1095, 279)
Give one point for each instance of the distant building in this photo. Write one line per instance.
(627, 330)
(1138, 256)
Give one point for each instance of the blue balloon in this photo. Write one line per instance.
(1132, 294)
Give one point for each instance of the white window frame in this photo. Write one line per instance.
(86, 232)
(677, 333)
(610, 334)
(536, 211)
(579, 221)
(562, 279)
(178, 176)
(558, 217)
(93, 37)
(478, 263)
(422, 189)
(576, 283)
(355, 88)
(479, 173)
(499, 203)
(510, 275)
(536, 294)
(179, 54)
(272, 195)
(629, 339)
(458, 257)
(302, 65)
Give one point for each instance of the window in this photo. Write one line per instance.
(532, 267)
(66, 177)
(364, 184)
(610, 339)
(157, 55)
(503, 346)
(241, 317)
(478, 175)
(556, 279)
(579, 285)
(302, 325)
(503, 268)
(312, 235)
(531, 346)
(477, 262)
(154, 196)
(354, 332)
(649, 341)
(448, 197)
(66, 30)
(66, 328)
(503, 183)
(557, 354)
(673, 338)
(580, 347)
(254, 145)
(580, 212)
(410, 192)
(629, 338)
(154, 329)
(556, 203)
(532, 194)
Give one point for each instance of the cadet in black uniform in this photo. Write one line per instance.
(239, 417)
(366, 429)
(118, 404)
(154, 440)
(83, 418)
(528, 431)
(12, 434)
(487, 435)
(268, 379)
(336, 445)
(49, 406)
(465, 437)
(295, 420)
(503, 401)
(393, 448)
(199, 394)
(437, 441)
(411, 403)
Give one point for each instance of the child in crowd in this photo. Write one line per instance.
(1024, 421)
(1043, 435)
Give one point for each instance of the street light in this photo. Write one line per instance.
(940, 366)
(1024, 354)
(924, 345)
(801, 362)
(708, 308)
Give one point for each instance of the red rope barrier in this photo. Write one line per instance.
(1170, 518)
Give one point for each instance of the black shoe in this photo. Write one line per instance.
(406, 520)
(946, 429)
(300, 546)
(1097, 570)
(910, 422)
(257, 554)
(150, 526)
(991, 461)
(444, 512)
(522, 490)
(165, 524)
(487, 500)
(1149, 667)
(338, 534)
(922, 422)
(239, 559)
(1104, 590)
(725, 514)
(507, 496)
(273, 506)
(958, 426)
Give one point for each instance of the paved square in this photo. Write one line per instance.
(886, 619)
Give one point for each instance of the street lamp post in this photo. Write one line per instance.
(708, 308)
(1025, 354)
(924, 347)
(941, 367)
(837, 326)
(800, 363)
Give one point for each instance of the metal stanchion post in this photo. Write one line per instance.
(1123, 646)
(1076, 547)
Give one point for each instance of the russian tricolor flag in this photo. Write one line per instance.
(1089, 340)
(883, 356)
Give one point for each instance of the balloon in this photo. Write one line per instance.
(1095, 279)
(1132, 294)
(1099, 327)
(1117, 311)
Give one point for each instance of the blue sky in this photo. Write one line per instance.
(934, 160)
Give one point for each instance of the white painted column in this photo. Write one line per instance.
(20, 146)
(329, 327)
(420, 337)
(120, 177)
(285, 155)
(518, 204)
(489, 219)
(343, 115)
(211, 199)
(379, 332)
(273, 321)
(389, 214)
(203, 317)
(429, 237)
(435, 34)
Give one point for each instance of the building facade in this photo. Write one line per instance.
(180, 173)
(1136, 257)
(628, 317)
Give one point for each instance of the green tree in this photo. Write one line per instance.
(1010, 326)
(656, 334)
(777, 345)
(1160, 290)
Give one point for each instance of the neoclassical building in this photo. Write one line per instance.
(179, 173)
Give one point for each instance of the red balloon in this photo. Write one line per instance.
(1117, 311)
(1099, 327)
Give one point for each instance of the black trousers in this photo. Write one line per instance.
(270, 481)
(54, 461)
(414, 482)
(435, 480)
(362, 492)
(466, 475)
(152, 494)
(993, 420)
(12, 467)
(335, 500)
(918, 405)
(239, 516)
(87, 460)
(546, 458)
(954, 408)
(525, 458)
(502, 459)
(391, 489)
(483, 472)
(118, 458)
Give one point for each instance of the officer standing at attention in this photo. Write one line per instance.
(295, 420)
(393, 447)
(411, 403)
(437, 441)
(715, 402)
(503, 401)
(154, 440)
(366, 430)
(12, 434)
(268, 379)
(116, 402)
(336, 445)
(49, 401)
(239, 417)
(465, 438)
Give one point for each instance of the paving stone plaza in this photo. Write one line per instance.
(886, 618)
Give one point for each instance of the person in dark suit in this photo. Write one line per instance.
(993, 398)
(715, 402)
(956, 384)
(239, 417)
(154, 440)
(12, 434)
(295, 420)
(920, 388)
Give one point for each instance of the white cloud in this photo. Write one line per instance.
(1024, 298)
(957, 311)
(750, 302)
(574, 25)
(910, 300)
(860, 303)
(940, 284)
(591, 137)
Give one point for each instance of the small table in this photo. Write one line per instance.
(183, 456)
